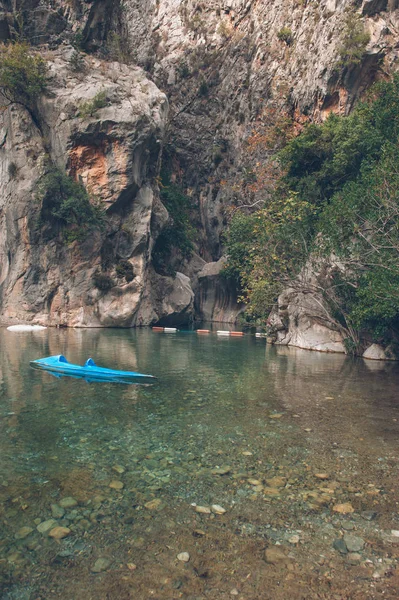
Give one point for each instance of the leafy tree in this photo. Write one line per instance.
(23, 75)
(336, 203)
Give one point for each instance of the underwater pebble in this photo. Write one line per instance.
(254, 481)
(340, 546)
(322, 475)
(153, 504)
(217, 509)
(294, 539)
(353, 543)
(23, 533)
(198, 533)
(205, 510)
(183, 557)
(117, 485)
(67, 502)
(246, 453)
(275, 556)
(58, 533)
(101, 564)
(119, 469)
(131, 566)
(221, 470)
(57, 511)
(353, 558)
(344, 509)
(46, 526)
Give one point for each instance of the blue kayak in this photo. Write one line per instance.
(58, 365)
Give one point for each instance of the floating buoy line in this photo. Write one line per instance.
(219, 332)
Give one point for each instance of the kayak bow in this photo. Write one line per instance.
(90, 371)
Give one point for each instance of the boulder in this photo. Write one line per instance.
(377, 352)
(216, 296)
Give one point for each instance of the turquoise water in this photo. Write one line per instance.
(228, 422)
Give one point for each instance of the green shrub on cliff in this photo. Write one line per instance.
(285, 35)
(337, 195)
(89, 108)
(178, 234)
(354, 41)
(23, 75)
(66, 205)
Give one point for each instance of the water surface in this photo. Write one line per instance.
(229, 422)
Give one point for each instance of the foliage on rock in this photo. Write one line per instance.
(89, 108)
(66, 205)
(354, 41)
(23, 75)
(285, 35)
(178, 234)
(336, 197)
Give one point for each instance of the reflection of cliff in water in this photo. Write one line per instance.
(339, 397)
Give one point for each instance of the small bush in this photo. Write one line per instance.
(285, 35)
(183, 70)
(89, 108)
(103, 281)
(66, 203)
(225, 30)
(76, 62)
(125, 269)
(118, 48)
(354, 41)
(203, 88)
(23, 75)
(12, 170)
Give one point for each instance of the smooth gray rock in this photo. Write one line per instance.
(353, 543)
(100, 565)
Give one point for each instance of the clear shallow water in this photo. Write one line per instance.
(274, 416)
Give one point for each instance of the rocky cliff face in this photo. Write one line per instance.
(219, 63)
(114, 154)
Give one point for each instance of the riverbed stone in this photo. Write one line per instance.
(57, 511)
(68, 502)
(322, 475)
(101, 564)
(46, 526)
(353, 558)
(254, 481)
(340, 546)
(183, 557)
(117, 485)
(118, 469)
(224, 470)
(217, 509)
(369, 515)
(153, 504)
(58, 533)
(353, 542)
(275, 556)
(205, 510)
(23, 533)
(344, 509)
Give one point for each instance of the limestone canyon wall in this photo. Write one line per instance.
(184, 82)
